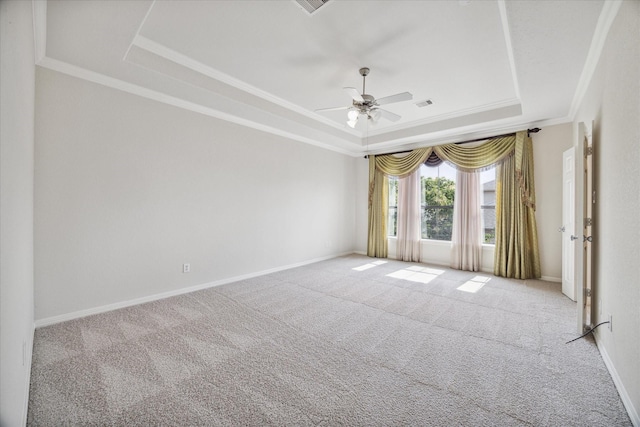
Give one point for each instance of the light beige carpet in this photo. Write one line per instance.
(340, 342)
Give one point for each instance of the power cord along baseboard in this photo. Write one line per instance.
(588, 332)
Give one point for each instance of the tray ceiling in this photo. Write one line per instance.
(487, 66)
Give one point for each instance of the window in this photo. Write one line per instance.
(392, 216)
(488, 207)
(437, 194)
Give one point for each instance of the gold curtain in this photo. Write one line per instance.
(378, 202)
(380, 167)
(516, 252)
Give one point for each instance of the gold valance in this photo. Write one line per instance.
(472, 158)
(464, 158)
(391, 165)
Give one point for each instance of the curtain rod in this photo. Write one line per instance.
(529, 132)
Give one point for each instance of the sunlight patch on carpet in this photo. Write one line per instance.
(369, 265)
(416, 274)
(474, 285)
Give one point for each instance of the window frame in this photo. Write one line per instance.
(392, 209)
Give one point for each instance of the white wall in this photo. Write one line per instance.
(362, 205)
(128, 189)
(613, 103)
(16, 208)
(548, 146)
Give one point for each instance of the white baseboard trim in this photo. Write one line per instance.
(115, 306)
(437, 263)
(622, 391)
(482, 270)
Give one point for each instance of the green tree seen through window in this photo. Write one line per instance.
(437, 207)
(438, 191)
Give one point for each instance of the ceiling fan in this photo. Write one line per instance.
(366, 106)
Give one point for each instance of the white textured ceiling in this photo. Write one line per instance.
(488, 66)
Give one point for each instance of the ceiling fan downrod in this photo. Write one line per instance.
(364, 72)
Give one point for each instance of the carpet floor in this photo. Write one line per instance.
(347, 341)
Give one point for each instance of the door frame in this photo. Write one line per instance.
(585, 197)
(569, 286)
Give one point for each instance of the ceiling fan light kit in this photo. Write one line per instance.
(365, 105)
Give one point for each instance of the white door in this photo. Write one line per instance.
(568, 221)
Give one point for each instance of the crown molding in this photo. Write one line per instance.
(194, 65)
(605, 21)
(39, 9)
(447, 136)
(509, 46)
(333, 143)
(101, 79)
(144, 21)
(459, 134)
(453, 115)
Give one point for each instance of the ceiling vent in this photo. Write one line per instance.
(311, 5)
(424, 103)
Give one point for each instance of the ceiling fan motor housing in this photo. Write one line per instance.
(368, 104)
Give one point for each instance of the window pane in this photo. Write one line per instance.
(392, 217)
(438, 187)
(488, 179)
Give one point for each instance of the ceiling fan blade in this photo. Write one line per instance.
(321, 110)
(353, 93)
(389, 115)
(398, 97)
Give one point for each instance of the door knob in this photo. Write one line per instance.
(574, 238)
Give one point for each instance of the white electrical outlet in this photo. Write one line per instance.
(186, 268)
(609, 325)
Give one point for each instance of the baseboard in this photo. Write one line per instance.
(622, 391)
(482, 270)
(115, 306)
(442, 264)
